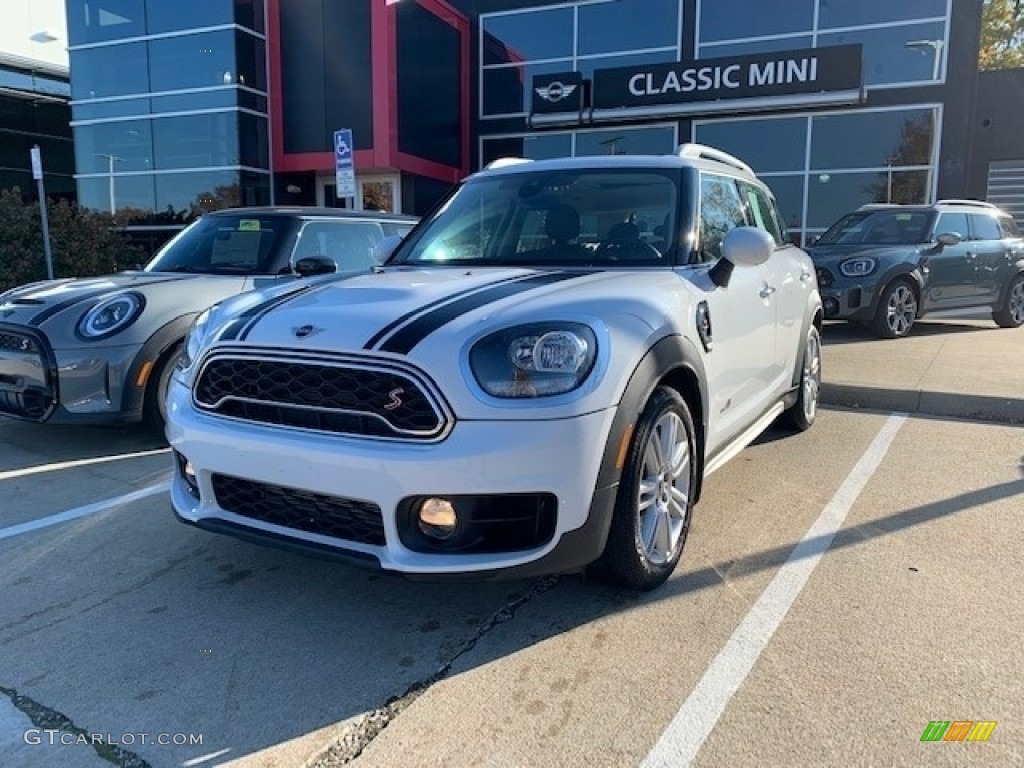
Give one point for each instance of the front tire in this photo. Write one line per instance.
(803, 412)
(154, 409)
(897, 310)
(1011, 314)
(655, 499)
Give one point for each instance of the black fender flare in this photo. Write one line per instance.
(156, 346)
(671, 354)
(913, 272)
(814, 315)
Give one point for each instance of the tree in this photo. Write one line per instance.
(1002, 35)
(908, 187)
(84, 243)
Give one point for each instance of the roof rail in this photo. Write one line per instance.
(505, 162)
(878, 206)
(975, 203)
(705, 152)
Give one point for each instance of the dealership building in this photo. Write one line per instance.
(178, 107)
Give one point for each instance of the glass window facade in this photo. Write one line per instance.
(643, 140)
(821, 166)
(904, 42)
(169, 111)
(516, 45)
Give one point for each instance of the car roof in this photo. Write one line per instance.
(955, 205)
(696, 156)
(308, 210)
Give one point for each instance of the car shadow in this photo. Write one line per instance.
(27, 444)
(835, 333)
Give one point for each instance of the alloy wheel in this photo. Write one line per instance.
(1017, 302)
(901, 310)
(812, 376)
(663, 498)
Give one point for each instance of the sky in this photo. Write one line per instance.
(24, 18)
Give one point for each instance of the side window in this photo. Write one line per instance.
(950, 223)
(985, 227)
(760, 207)
(349, 243)
(1009, 226)
(721, 209)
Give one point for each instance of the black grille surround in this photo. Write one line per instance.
(31, 400)
(332, 516)
(338, 395)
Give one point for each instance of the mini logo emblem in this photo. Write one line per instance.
(395, 401)
(306, 330)
(555, 92)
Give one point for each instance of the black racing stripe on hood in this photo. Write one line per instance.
(394, 324)
(240, 324)
(280, 301)
(60, 306)
(408, 337)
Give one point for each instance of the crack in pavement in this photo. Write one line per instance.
(360, 734)
(45, 718)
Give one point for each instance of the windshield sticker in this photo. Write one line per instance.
(903, 217)
(249, 225)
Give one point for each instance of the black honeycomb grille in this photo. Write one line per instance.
(333, 516)
(331, 398)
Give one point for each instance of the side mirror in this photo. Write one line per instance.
(315, 265)
(382, 250)
(742, 247)
(947, 239)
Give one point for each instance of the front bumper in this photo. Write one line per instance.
(72, 386)
(485, 458)
(846, 299)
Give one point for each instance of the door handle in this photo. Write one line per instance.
(970, 256)
(767, 290)
(805, 275)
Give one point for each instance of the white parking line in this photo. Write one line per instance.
(77, 512)
(690, 728)
(24, 472)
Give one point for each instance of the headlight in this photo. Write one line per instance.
(195, 341)
(111, 316)
(858, 267)
(536, 360)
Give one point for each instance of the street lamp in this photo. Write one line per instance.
(110, 176)
(935, 46)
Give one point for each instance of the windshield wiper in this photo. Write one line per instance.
(181, 268)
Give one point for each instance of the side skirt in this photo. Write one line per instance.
(744, 439)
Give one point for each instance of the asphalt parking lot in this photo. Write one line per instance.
(840, 590)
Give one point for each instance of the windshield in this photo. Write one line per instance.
(224, 245)
(590, 217)
(889, 227)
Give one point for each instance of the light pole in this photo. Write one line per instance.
(110, 177)
(936, 47)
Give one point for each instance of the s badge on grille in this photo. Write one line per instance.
(303, 331)
(395, 401)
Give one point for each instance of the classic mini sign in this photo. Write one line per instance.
(797, 74)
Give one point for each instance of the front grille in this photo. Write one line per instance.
(341, 398)
(333, 516)
(15, 342)
(26, 388)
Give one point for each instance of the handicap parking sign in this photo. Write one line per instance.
(344, 170)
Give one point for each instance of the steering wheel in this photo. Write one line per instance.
(628, 250)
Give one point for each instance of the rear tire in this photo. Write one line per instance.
(1011, 314)
(803, 412)
(655, 498)
(897, 310)
(154, 409)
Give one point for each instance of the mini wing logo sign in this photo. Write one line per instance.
(555, 92)
(303, 331)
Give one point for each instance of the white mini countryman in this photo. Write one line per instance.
(537, 380)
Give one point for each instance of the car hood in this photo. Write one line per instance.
(833, 254)
(399, 310)
(55, 306)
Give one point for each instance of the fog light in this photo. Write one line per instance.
(437, 518)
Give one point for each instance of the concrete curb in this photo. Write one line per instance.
(948, 404)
